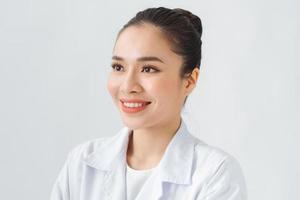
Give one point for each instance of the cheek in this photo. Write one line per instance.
(164, 90)
(112, 86)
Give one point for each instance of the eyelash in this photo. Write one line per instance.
(145, 66)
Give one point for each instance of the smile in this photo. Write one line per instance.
(133, 107)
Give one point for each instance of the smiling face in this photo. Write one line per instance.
(145, 68)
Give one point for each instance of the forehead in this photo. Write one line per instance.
(144, 40)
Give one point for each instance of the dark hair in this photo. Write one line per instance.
(181, 27)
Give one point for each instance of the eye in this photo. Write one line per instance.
(116, 67)
(148, 68)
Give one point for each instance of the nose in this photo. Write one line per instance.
(131, 83)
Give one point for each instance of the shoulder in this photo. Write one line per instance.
(210, 159)
(210, 156)
(218, 171)
(82, 150)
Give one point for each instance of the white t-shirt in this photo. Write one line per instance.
(135, 180)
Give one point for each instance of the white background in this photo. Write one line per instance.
(55, 58)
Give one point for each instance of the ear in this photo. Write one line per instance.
(191, 81)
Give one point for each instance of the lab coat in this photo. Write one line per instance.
(189, 170)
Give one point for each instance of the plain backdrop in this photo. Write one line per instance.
(55, 57)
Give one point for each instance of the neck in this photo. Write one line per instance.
(147, 146)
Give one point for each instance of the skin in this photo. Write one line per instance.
(154, 127)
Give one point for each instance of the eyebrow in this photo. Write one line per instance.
(144, 58)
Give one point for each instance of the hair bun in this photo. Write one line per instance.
(194, 19)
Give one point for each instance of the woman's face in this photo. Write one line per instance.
(145, 69)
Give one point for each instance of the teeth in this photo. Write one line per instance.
(133, 105)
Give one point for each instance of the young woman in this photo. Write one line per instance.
(155, 66)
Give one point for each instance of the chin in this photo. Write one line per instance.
(133, 123)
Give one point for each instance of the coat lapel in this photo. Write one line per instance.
(175, 166)
(110, 158)
(174, 169)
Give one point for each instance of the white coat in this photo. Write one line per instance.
(188, 170)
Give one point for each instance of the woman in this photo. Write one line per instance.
(155, 66)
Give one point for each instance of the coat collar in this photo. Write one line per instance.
(175, 165)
